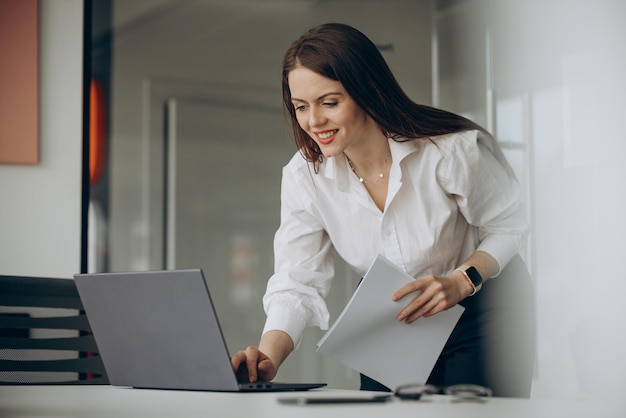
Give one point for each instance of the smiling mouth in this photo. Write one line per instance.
(327, 136)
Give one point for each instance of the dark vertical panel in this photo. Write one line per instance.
(84, 230)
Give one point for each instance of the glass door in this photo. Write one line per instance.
(223, 166)
(223, 169)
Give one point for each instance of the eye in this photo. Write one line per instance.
(299, 108)
(329, 104)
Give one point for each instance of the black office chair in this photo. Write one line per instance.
(44, 334)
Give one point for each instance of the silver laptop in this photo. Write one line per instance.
(159, 330)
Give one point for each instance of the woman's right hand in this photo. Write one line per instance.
(252, 365)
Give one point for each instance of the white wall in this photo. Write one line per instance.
(40, 212)
(568, 57)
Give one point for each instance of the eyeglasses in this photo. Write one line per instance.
(460, 392)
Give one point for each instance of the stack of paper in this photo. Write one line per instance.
(368, 338)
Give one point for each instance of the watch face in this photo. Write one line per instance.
(474, 276)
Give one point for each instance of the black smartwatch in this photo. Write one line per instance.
(473, 276)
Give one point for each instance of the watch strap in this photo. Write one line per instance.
(473, 277)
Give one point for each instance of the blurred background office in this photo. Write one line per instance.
(189, 141)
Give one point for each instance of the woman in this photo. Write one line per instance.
(428, 189)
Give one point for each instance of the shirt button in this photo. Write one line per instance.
(387, 233)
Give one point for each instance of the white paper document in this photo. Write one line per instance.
(368, 338)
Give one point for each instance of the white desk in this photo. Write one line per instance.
(107, 401)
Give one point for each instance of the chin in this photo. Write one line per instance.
(331, 152)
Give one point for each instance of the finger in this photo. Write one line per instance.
(265, 368)
(252, 359)
(238, 362)
(440, 307)
(414, 307)
(417, 308)
(428, 309)
(414, 286)
(237, 359)
(242, 373)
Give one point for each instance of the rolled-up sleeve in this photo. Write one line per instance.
(295, 293)
(488, 195)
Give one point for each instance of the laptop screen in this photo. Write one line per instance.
(157, 329)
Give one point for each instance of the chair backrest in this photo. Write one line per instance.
(45, 337)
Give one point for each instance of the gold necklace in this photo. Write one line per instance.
(361, 179)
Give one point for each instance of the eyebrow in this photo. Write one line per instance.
(323, 96)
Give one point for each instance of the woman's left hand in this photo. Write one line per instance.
(432, 294)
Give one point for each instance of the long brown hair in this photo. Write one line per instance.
(342, 53)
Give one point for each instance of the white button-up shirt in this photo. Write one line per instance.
(446, 199)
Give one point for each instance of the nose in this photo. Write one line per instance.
(316, 117)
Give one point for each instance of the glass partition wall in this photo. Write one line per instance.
(197, 140)
(463, 82)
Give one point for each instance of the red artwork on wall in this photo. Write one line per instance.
(19, 83)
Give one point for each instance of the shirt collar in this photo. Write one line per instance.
(337, 167)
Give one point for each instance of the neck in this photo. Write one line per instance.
(372, 152)
(372, 170)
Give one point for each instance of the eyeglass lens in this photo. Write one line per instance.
(461, 391)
